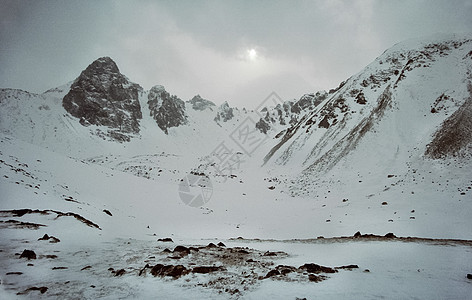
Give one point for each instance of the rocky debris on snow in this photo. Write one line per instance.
(14, 273)
(120, 272)
(19, 224)
(232, 269)
(52, 239)
(348, 267)
(41, 289)
(169, 270)
(207, 269)
(22, 212)
(316, 269)
(29, 254)
(107, 212)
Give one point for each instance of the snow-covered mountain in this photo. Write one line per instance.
(101, 164)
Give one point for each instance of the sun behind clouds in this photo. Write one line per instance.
(252, 54)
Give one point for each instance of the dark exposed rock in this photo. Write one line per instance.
(107, 212)
(284, 270)
(14, 273)
(120, 272)
(469, 276)
(167, 240)
(390, 235)
(141, 272)
(29, 254)
(221, 244)
(167, 110)
(181, 249)
(101, 95)
(315, 278)
(198, 103)
(348, 267)
(272, 273)
(206, 269)
(324, 123)
(263, 126)
(41, 289)
(86, 268)
(211, 245)
(225, 113)
(357, 234)
(169, 270)
(52, 239)
(360, 98)
(314, 268)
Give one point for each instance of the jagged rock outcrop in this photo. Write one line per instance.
(167, 110)
(225, 113)
(101, 95)
(198, 103)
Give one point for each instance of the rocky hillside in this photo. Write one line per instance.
(401, 98)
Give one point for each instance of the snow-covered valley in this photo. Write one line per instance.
(280, 186)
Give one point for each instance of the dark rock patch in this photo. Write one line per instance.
(316, 269)
(348, 267)
(86, 268)
(272, 273)
(14, 273)
(206, 269)
(29, 254)
(169, 270)
(52, 239)
(120, 272)
(211, 245)
(107, 212)
(167, 240)
(41, 289)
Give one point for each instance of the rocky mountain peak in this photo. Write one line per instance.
(101, 95)
(198, 103)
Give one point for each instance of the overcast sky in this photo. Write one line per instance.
(238, 51)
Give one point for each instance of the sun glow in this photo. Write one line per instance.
(252, 54)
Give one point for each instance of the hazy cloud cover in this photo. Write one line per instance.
(201, 47)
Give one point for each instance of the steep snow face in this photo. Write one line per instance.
(101, 95)
(167, 110)
(384, 112)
